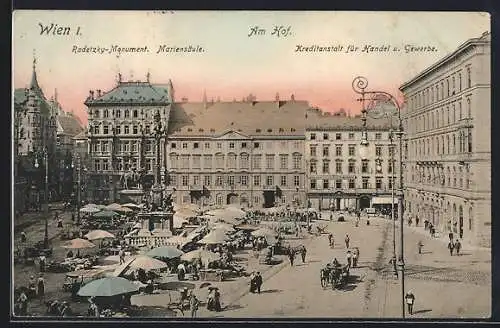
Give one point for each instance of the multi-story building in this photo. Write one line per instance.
(35, 120)
(339, 175)
(243, 152)
(120, 127)
(447, 125)
(246, 152)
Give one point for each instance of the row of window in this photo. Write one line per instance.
(117, 113)
(351, 167)
(233, 161)
(351, 150)
(338, 136)
(122, 146)
(448, 177)
(451, 143)
(440, 90)
(438, 118)
(237, 145)
(234, 180)
(351, 183)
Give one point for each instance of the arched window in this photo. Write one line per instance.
(460, 82)
(454, 144)
(135, 113)
(127, 113)
(447, 144)
(447, 115)
(454, 114)
(96, 113)
(447, 87)
(470, 218)
(459, 110)
(469, 108)
(469, 83)
(105, 113)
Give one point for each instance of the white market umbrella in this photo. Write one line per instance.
(99, 234)
(200, 254)
(109, 286)
(214, 237)
(89, 210)
(78, 243)
(132, 206)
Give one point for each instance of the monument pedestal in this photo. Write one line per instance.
(156, 229)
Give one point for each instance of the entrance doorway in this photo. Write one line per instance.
(232, 198)
(364, 202)
(269, 198)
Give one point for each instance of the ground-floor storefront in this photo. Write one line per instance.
(466, 214)
(349, 201)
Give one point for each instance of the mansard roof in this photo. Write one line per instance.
(251, 118)
(133, 93)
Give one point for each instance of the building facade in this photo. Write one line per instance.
(120, 132)
(248, 153)
(340, 176)
(447, 124)
(35, 122)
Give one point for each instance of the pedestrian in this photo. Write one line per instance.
(252, 282)
(23, 237)
(410, 300)
(417, 220)
(458, 245)
(451, 247)
(181, 270)
(194, 304)
(23, 303)
(93, 310)
(258, 281)
(394, 264)
(41, 287)
(461, 232)
(73, 216)
(347, 239)
(42, 261)
(349, 259)
(59, 223)
(291, 256)
(303, 252)
(420, 245)
(121, 255)
(31, 287)
(330, 240)
(450, 235)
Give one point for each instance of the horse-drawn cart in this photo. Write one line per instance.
(335, 276)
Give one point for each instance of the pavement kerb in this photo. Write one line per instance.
(265, 276)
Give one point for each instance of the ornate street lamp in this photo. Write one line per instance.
(46, 195)
(79, 196)
(380, 104)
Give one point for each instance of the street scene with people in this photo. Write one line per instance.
(340, 191)
(250, 268)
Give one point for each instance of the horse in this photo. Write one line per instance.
(325, 276)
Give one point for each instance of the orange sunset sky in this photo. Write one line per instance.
(233, 64)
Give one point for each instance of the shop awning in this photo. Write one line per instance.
(383, 200)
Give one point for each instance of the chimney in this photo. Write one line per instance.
(99, 93)
(91, 94)
(292, 97)
(277, 98)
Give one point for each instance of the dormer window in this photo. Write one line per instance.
(212, 130)
(200, 130)
(282, 130)
(258, 130)
(292, 130)
(190, 130)
(269, 130)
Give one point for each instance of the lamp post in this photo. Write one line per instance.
(46, 210)
(382, 103)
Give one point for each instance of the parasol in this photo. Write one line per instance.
(165, 252)
(89, 210)
(78, 243)
(109, 286)
(214, 237)
(105, 214)
(200, 254)
(132, 206)
(99, 234)
(147, 263)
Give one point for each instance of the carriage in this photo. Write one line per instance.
(335, 276)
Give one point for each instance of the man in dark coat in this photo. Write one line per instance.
(258, 281)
